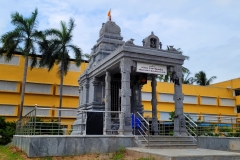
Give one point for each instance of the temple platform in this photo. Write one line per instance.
(182, 154)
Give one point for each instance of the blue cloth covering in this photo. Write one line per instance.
(137, 122)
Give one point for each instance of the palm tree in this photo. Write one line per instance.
(87, 56)
(56, 50)
(185, 78)
(201, 78)
(22, 39)
(164, 78)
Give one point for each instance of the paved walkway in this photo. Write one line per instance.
(183, 154)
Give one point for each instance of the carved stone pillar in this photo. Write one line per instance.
(179, 119)
(87, 90)
(154, 106)
(125, 118)
(80, 90)
(107, 120)
(103, 90)
(95, 91)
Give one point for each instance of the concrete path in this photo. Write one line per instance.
(182, 154)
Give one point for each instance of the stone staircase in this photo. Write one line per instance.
(166, 142)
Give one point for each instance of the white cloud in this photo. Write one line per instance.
(207, 31)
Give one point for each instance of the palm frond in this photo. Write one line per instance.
(78, 54)
(10, 46)
(33, 23)
(71, 25)
(1, 51)
(166, 77)
(53, 32)
(210, 80)
(87, 55)
(37, 35)
(201, 78)
(18, 20)
(34, 61)
(55, 47)
(185, 70)
(10, 52)
(63, 29)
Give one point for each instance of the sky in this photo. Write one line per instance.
(208, 31)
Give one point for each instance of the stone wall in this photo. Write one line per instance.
(220, 143)
(41, 146)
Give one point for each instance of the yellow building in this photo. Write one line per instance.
(42, 88)
(199, 101)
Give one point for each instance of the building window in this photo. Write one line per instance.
(238, 109)
(237, 92)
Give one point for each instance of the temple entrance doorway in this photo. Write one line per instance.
(115, 89)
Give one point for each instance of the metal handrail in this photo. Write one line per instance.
(192, 136)
(28, 125)
(143, 136)
(190, 120)
(191, 131)
(143, 125)
(143, 118)
(141, 130)
(191, 123)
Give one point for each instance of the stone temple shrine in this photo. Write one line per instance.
(114, 78)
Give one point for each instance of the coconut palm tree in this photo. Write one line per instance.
(201, 78)
(22, 39)
(56, 50)
(186, 79)
(87, 56)
(164, 78)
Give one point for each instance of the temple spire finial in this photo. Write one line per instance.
(109, 15)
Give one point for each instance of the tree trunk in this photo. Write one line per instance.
(61, 89)
(23, 87)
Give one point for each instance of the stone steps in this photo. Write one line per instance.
(164, 138)
(171, 146)
(166, 142)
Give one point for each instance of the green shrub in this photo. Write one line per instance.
(7, 130)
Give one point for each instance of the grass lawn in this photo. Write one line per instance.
(12, 153)
(7, 154)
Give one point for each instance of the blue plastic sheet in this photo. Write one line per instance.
(137, 122)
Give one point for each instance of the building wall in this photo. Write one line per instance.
(233, 84)
(42, 88)
(199, 101)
